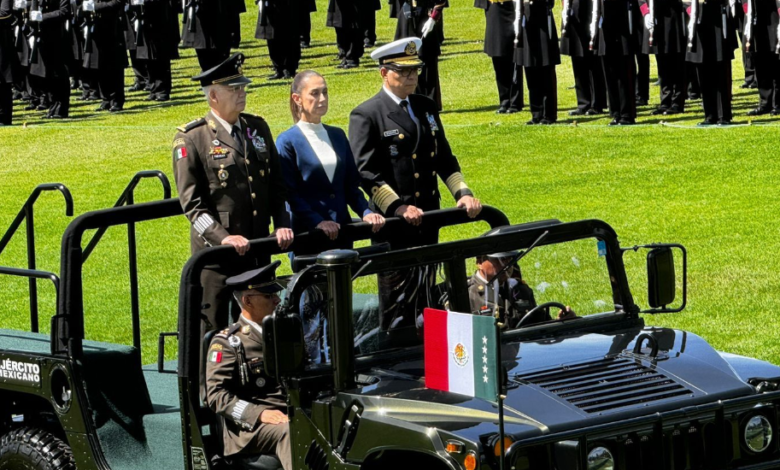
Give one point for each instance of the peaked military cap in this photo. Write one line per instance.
(228, 73)
(262, 280)
(399, 54)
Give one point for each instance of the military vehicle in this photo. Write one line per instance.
(599, 391)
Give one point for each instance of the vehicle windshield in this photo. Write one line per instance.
(388, 307)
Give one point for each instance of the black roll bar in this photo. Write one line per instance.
(128, 198)
(27, 214)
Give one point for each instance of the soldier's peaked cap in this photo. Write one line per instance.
(399, 54)
(228, 73)
(262, 280)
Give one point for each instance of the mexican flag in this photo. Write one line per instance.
(461, 353)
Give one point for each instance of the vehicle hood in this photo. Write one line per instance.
(565, 383)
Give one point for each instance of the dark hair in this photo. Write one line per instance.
(297, 86)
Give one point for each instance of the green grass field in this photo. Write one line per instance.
(714, 190)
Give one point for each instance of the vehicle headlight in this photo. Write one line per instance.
(758, 434)
(600, 458)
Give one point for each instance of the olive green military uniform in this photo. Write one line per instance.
(515, 299)
(238, 390)
(228, 187)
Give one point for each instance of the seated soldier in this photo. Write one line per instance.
(252, 404)
(514, 298)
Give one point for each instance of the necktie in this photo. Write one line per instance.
(237, 136)
(405, 105)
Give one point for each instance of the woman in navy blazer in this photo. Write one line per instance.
(317, 165)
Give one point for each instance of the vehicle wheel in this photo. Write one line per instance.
(34, 449)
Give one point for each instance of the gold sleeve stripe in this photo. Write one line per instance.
(456, 183)
(384, 196)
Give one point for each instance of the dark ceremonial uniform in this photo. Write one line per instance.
(712, 50)
(227, 185)
(9, 62)
(412, 16)
(152, 39)
(346, 16)
(585, 63)
(515, 299)
(399, 162)
(48, 62)
(211, 27)
(304, 21)
(747, 61)
(239, 390)
(668, 46)
(105, 53)
(277, 23)
(616, 46)
(762, 48)
(500, 47)
(641, 58)
(369, 23)
(538, 53)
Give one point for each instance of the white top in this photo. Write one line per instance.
(321, 144)
(398, 102)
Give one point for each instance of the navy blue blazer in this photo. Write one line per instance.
(312, 198)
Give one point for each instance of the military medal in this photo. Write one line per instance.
(260, 382)
(234, 341)
(223, 175)
(246, 329)
(257, 141)
(215, 142)
(393, 150)
(218, 153)
(432, 122)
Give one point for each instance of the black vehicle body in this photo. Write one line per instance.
(372, 410)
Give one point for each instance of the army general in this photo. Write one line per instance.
(229, 180)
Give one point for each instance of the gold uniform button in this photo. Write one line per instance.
(433, 154)
(401, 136)
(222, 167)
(374, 189)
(417, 194)
(433, 193)
(254, 213)
(250, 179)
(416, 175)
(434, 173)
(224, 185)
(433, 133)
(254, 195)
(414, 156)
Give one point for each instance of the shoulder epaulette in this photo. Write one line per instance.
(222, 334)
(192, 125)
(233, 328)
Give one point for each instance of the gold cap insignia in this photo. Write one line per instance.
(411, 48)
(246, 329)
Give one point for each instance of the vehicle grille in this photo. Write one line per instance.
(606, 385)
(316, 459)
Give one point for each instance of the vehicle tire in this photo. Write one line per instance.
(34, 449)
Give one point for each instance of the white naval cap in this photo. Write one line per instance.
(401, 53)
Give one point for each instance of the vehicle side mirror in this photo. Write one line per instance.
(660, 277)
(283, 345)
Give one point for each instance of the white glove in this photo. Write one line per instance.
(649, 22)
(88, 6)
(20, 4)
(36, 15)
(428, 26)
